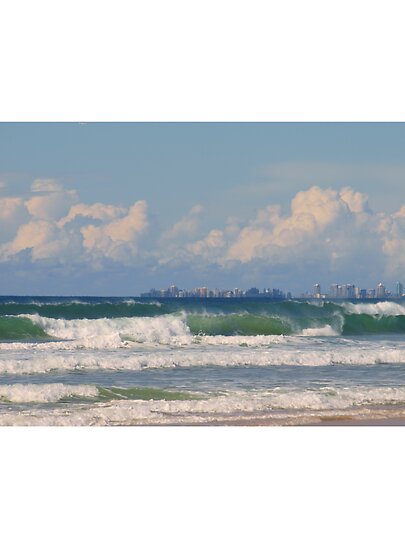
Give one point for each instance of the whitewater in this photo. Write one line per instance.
(128, 361)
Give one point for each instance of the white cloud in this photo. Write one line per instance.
(117, 240)
(210, 247)
(42, 225)
(47, 185)
(12, 214)
(325, 231)
(51, 206)
(187, 226)
(97, 211)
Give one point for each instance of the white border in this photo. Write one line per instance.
(222, 60)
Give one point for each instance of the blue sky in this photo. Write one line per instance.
(104, 208)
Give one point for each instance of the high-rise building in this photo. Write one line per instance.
(317, 290)
(399, 289)
(333, 291)
(380, 290)
(349, 291)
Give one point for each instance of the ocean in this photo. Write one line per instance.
(84, 361)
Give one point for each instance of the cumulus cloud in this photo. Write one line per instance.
(97, 211)
(12, 214)
(334, 230)
(51, 206)
(53, 225)
(173, 242)
(325, 231)
(187, 226)
(117, 240)
(318, 219)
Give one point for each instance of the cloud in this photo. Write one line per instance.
(97, 211)
(47, 185)
(329, 233)
(210, 247)
(187, 226)
(317, 219)
(53, 205)
(13, 213)
(117, 240)
(54, 226)
(44, 240)
(173, 242)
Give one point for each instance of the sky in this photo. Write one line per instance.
(118, 208)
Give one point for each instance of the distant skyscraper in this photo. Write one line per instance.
(349, 291)
(380, 290)
(399, 288)
(333, 291)
(317, 290)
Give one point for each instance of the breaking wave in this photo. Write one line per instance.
(189, 358)
(279, 405)
(181, 327)
(52, 393)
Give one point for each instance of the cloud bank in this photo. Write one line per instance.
(53, 226)
(325, 233)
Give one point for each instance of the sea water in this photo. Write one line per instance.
(126, 361)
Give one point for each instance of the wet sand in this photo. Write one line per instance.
(364, 417)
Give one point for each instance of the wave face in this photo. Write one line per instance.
(98, 324)
(16, 328)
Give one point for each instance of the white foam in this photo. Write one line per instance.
(251, 341)
(277, 404)
(44, 393)
(42, 361)
(121, 332)
(379, 308)
(326, 330)
(105, 332)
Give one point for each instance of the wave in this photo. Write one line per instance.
(193, 358)
(44, 393)
(53, 393)
(184, 327)
(379, 308)
(15, 328)
(99, 333)
(283, 406)
(237, 323)
(74, 309)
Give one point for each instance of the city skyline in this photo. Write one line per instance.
(336, 291)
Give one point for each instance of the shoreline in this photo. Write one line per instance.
(365, 418)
